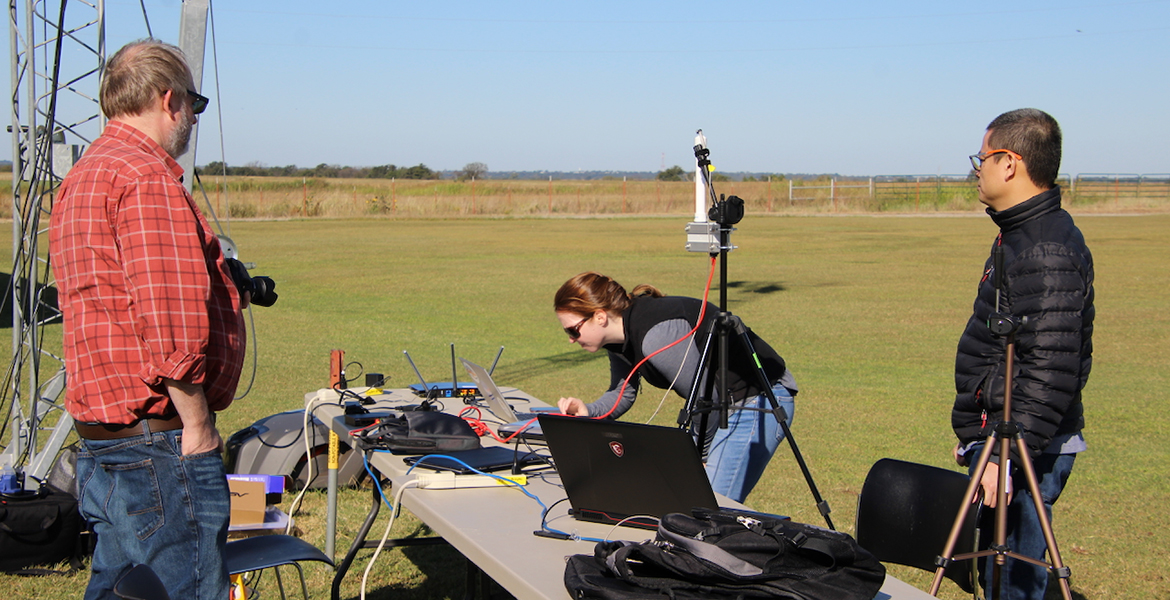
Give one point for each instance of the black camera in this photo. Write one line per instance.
(727, 211)
(261, 287)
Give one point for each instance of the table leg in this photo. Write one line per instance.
(478, 584)
(359, 542)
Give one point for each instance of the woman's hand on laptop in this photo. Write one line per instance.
(573, 407)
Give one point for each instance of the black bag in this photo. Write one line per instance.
(39, 528)
(422, 432)
(728, 554)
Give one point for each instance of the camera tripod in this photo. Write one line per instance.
(715, 396)
(1004, 433)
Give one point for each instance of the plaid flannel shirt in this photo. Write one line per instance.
(143, 286)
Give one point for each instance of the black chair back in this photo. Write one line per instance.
(140, 583)
(906, 511)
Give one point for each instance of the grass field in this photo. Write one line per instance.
(866, 310)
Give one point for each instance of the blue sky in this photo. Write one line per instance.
(847, 87)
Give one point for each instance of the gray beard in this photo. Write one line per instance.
(180, 137)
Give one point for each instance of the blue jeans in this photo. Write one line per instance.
(149, 504)
(739, 454)
(1022, 580)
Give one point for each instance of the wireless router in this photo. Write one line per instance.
(451, 389)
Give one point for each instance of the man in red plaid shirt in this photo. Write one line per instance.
(153, 336)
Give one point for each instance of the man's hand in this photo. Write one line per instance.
(199, 433)
(990, 485)
(197, 440)
(572, 406)
(960, 458)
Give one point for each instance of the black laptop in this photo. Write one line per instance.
(613, 471)
(487, 459)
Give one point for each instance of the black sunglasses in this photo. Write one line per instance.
(575, 331)
(198, 102)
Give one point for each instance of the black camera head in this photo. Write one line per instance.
(727, 212)
(1003, 324)
(260, 287)
(263, 291)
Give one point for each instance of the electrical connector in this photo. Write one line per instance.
(450, 481)
(556, 535)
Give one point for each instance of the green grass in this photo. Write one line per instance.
(867, 311)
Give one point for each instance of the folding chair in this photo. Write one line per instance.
(905, 513)
(272, 551)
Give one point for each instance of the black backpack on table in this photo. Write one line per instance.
(728, 554)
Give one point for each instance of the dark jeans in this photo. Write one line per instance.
(1023, 580)
(149, 504)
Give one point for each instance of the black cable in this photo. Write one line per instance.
(544, 515)
(300, 432)
(432, 404)
(547, 460)
(343, 394)
(30, 216)
(146, 17)
(354, 378)
(544, 476)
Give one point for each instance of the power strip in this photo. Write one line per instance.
(451, 481)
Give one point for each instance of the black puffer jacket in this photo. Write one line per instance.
(1048, 279)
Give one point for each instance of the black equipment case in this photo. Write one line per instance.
(38, 528)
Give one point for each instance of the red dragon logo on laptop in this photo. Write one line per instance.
(617, 448)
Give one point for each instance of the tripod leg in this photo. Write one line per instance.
(822, 505)
(739, 455)
(762, 379)
(692, 404)
(1057, 565)
(948, 555)
(699, 401)
(1001, 513)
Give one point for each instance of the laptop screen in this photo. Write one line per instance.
(612, 470)
(490, 392)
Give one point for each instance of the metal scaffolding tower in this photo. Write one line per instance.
(57, 55)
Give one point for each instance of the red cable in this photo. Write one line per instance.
(482, 429)
(479, 427)
(702, 312)
(355, 432)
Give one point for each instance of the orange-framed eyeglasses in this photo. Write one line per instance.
(977, 159)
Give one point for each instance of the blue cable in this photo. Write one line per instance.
(507, 481)
(510, 483)
(374, 478)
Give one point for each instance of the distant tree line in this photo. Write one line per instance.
(470, 171)
(419, 171)
(676, 173)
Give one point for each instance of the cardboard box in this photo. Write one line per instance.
(247, 502)
(273, 485)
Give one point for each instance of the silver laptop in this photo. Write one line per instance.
(525, 423)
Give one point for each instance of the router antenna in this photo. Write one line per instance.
(454, 376)
(426, 388)
(496, 361)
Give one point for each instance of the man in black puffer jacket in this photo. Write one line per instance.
(1047, 283)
